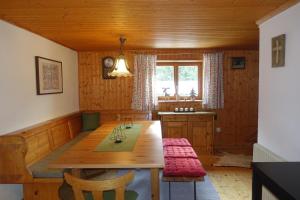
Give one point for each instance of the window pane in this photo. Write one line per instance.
(165, 79)
(187, 80)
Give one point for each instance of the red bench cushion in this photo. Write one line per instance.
(183, 167)
(176, 142)
(179, 152)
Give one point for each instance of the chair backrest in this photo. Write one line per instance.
(97, 187)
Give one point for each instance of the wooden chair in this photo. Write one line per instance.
(103, 189)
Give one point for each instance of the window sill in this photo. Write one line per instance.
(178, 101)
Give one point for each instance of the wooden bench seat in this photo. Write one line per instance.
(25, 155)
(40, 168)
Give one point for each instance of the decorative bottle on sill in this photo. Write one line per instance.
(165, 91)
(193, 94)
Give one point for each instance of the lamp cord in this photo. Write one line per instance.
(122, 42)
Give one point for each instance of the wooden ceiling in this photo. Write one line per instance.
(97, 24)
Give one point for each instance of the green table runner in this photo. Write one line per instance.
(109, 145)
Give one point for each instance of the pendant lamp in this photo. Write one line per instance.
(121, 67)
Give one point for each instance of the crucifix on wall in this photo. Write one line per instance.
(278, 51)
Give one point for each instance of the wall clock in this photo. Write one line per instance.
(107, 66)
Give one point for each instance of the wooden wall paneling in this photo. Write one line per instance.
(113, 94)
(236, 120)
(116, 94)
(102, 94)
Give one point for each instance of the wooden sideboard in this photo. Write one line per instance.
(197, 127)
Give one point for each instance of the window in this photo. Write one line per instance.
(178, 79)
(165, 80)
(187, 80)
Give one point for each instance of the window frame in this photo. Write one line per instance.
(176, 79)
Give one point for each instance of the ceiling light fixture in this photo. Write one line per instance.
(121, 67)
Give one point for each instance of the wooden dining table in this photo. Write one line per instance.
(147, 153)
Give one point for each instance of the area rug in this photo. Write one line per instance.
(233, 160)
(179, 190)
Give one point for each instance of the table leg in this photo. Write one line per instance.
(75, 172)
(155, 183)
(256, 186)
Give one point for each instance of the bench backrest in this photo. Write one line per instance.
(115, 115)
(22, 148)
(12, 164)
(25, 147)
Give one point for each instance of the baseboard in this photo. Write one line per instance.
(237, 149)
(262, 154)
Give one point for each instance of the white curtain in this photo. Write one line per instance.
(213, 93)
(144, 96)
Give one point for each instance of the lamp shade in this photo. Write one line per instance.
(120, 68)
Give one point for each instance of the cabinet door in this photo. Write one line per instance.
(200, 136)
(46, 191)
(175, 129)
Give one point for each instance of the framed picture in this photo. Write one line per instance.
(238, 62)
(278, 51)
(49, 79)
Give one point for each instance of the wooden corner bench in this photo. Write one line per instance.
(25, 155)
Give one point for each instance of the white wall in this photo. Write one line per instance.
(19, 105)
(279, 88)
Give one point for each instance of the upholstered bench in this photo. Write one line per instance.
(181, 163)
(183, 167)
(179, 152)
(179, 142)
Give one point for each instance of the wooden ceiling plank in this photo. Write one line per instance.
(280, 9)
(84, 25)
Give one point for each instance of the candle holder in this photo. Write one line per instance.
(128, 122)
(118, 134)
